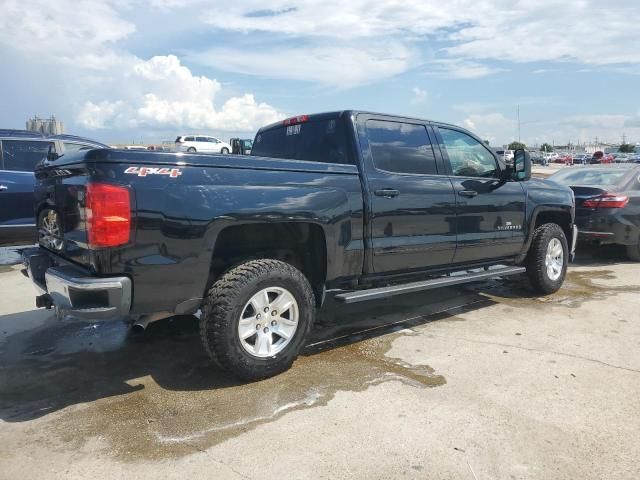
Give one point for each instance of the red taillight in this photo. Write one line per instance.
(108, 210)
(608, 200)
(295, 120)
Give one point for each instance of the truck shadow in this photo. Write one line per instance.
(60, 364)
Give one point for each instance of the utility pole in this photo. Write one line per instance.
(518, 113)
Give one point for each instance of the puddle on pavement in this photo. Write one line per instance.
(577, 289)
(156, 395)
(156, 423)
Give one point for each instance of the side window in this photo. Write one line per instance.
(214, 140)
(189, 139)
(401, 147)
(468, 157)
(202, 139)
(23, 155)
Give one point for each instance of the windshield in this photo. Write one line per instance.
(596, 176)
(247, 144)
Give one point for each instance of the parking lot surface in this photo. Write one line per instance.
(475, 382)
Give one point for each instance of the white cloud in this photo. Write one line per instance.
(470, 32)
(338, 66)
(78, 44)
(419, 96)
(162, 93)
(461, 69)
(61, 27)
(500, 129)
(491, 126)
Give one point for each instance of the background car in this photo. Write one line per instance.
(201, 143)
(607, 204)
(596, 158)
(241, 146)
(20, 151)
(506, 155)
(581, 159)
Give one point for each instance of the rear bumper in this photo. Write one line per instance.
(607, 228)
(75, 293)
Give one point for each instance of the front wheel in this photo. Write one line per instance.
(224, 151)
(546, 262)
(256, 317)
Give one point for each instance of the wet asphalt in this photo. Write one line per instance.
(484, 381)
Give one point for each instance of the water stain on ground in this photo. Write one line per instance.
(579, 287)
(158, 396)
(158, 423)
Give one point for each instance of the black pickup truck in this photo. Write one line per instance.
(351, 204)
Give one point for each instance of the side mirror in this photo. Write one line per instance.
(521, 165)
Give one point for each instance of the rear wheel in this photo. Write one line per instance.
(633, 252)
(256, 317)
(191, 150)
(546, 262)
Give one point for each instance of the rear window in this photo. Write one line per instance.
(315, 141)
(596, 177)
(23, 155)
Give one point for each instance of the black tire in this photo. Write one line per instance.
(633, 252)
(191, 150)
(224, 151)
(535, 262)
(225, 303)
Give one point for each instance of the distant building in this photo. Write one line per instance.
(47, 126)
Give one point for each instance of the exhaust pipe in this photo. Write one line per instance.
(141, 323)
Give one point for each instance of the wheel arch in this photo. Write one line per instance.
(301, 244)
(561, 216)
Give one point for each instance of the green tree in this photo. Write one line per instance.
(626, 148)
(517, 146)
(546, 148)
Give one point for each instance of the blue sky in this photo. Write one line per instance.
(148, 70)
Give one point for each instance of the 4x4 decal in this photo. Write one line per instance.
(144, 171)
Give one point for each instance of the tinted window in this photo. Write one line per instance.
(468, 157)
(202, 139)
(314, 140)
(401, 147)
(23, 155)
(188, 139)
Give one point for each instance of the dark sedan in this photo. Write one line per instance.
(607, 204)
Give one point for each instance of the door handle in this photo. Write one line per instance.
(387, 192)
(3, 187)
(468, 193)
